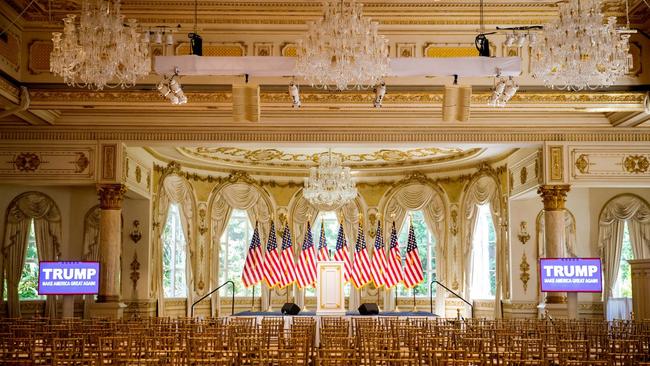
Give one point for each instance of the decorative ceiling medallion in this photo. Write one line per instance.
(299, 159)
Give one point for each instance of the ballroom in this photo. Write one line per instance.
(335, 182)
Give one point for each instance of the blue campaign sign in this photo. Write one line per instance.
(570, 275)
(68, 278)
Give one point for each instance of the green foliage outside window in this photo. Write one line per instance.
(426, 250)
(234, 247)
(623, 285)
(28, 285)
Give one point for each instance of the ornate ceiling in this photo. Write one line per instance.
(295, 159)
(411, 110)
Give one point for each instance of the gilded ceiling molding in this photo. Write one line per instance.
(50, 97)
(274, 158)
(349, 134)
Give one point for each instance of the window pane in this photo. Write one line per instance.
(28, 284)
(484, 255)
(174, 258)
(233, 250)
(426, 250)
(623, 285)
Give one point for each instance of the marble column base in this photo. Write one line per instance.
(113, 310)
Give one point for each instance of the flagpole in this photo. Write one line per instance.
(253, 302)
(415, 307)
(269, 309)
(396, 307)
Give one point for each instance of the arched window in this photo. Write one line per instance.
(331, 226)
(234, 247)
(484, 255)
(28, 285)
(426, 250)
(623, 284)
(174, 255)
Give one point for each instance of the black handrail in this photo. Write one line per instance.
(232, 310)
(448, 289)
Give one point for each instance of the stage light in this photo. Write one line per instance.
(157, 38)
(169, 39)
(510, 39)
(146, 36)
(170, 88)
(380, 92)
(521, 40)
(294, 92)
(503, 91)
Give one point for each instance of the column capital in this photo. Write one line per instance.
(554, 196)
(111, 196)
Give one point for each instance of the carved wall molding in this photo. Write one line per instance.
(34, 161)
(524, 274)
(244, 133)
(609, 164)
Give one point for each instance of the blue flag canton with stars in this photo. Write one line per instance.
(273, 243)
(286, 238)
(340, 240)
(379, 239)
(309, 242)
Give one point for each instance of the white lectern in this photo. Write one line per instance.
(330, 299)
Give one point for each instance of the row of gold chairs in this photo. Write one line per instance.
(322, 341)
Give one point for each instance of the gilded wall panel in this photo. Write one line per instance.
(136, 175)
(74, 163)
(524, 174)
(603, 164)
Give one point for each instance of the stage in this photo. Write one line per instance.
(409, 314)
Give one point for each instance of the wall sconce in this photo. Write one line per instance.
(523, 233)
(372, 221)
(135, 234)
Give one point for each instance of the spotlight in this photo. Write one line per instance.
(157, 37)
(380, 92)
(503, 91)
(146, 37)
(169, 39)
(521, 40)
(294, 92)
(510, 39)
(532, 38)
(170, 88)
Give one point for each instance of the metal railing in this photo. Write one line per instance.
(232, 310)
(448, 289)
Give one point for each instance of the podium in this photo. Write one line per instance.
(330, 298)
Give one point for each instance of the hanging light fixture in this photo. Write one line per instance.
(101, 49)
(331, 185)
(343, 49)
(578, 51)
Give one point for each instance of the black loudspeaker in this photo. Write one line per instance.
(369, 309)
(290, 308)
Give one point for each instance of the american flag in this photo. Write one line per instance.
(286, 259)
(306, 269)
(323, 253)
(342, 253)
(378, 264)
(393, 274)
(361, 266)
(272, 267)
(251, 275)
(413, 274)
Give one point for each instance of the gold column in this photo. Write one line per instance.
(554, 198)
(110, 240)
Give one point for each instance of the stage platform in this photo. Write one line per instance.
(349, 313)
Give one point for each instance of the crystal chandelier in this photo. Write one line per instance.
(329, 186)
(579, 51)
(343, 49)
(101, 49)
